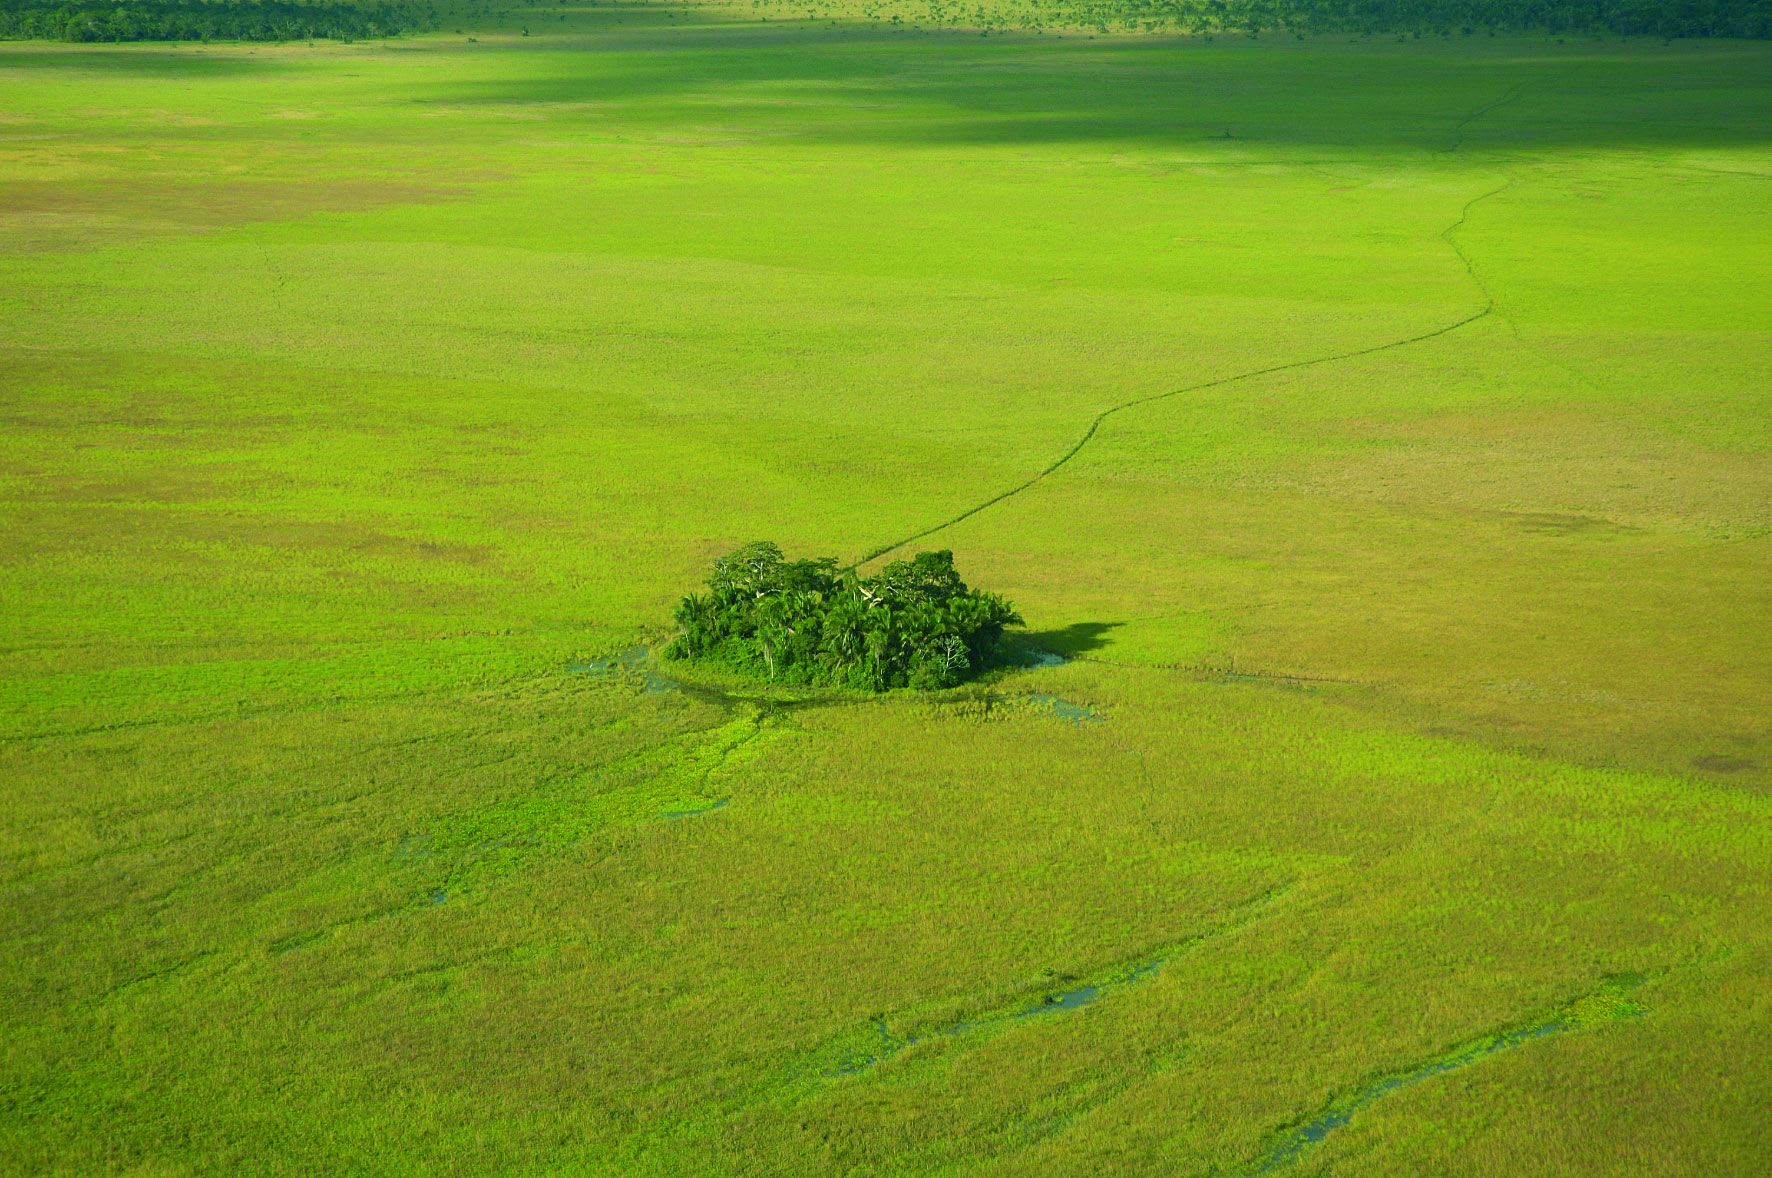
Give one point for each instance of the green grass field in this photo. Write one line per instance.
(362, 402)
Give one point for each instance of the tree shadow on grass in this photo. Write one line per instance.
(1068, 642)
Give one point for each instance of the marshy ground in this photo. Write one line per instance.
(1378, 432)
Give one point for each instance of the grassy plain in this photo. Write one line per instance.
(356, 395)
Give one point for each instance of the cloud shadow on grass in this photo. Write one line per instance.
(1224, 100)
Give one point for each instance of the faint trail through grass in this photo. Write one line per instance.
(1448, 235)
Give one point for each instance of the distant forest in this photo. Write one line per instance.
(292, 20)
(208, 20)
(1406, 18)
(1657, 18)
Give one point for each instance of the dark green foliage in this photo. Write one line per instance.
(208, 20)
(1660, 18)
(915, 624)
(1665, 18)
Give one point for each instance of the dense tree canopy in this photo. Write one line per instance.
(294, 20)
(208, 20)
(1660, 18)
(1665, 18)
(914, 624)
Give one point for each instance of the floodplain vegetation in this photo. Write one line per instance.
(1374, 437)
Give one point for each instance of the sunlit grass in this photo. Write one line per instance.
(354, 395)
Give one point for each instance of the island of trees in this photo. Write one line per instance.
(807, 622)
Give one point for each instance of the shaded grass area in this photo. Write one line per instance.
(357, 401)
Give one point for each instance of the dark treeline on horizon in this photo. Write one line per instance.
(208, 20)
(293, 20)
(1653, 18)
(1656, 18)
